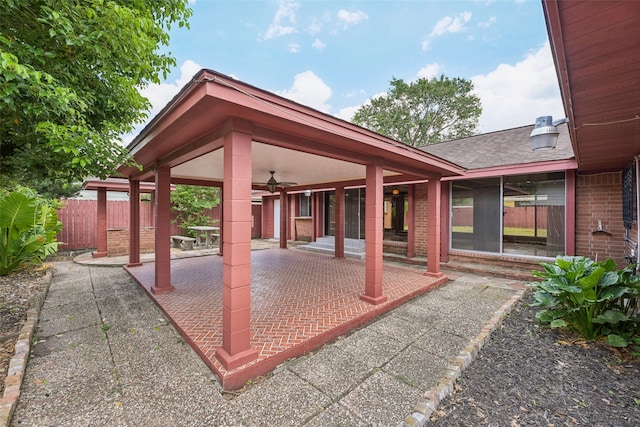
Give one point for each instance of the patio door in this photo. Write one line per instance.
(276, 218)
(354, 213)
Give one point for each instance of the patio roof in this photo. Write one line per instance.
(115, 184)
(597, 56)
(302, 145)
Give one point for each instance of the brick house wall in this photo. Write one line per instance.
(118, 241)
(421, 219)
(599, 197)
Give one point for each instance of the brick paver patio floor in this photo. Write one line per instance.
(299, 301)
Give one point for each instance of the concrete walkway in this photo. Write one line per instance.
(106, 356)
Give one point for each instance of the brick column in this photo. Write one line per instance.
(236, 347)
(163, 235)
(102, 224)
(445, 220)
(411, 220)
(374, 228)
(134, 224)
(433, 227)
(339, 221)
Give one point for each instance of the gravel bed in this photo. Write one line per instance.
(16, 292)
(530, 375)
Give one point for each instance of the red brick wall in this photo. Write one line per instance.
(118, 241)
(599, 197)
(421, 220)
(303, 228)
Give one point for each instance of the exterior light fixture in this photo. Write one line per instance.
(545, 134)
(307, 193)
(272, 183)
(395, 191)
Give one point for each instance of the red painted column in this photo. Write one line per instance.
(163, 234)
(374, 229)
(134, 224)
(433, 229)
(570, 213)
(267, 218)
(284, 214)
(102, 224)
(236, 347)
(339, 234)
(411, 221)
(445, 220)
(221, 224)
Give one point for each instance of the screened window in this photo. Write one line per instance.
(520, 215)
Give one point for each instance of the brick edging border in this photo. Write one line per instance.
(18, 363)
(422, 411)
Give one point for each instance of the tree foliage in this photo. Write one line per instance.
(69, 78)
(423, 112)
(193, 204)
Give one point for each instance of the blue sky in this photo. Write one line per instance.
(335, 55)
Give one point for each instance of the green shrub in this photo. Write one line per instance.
(28, 228)
(193, 205)
(592, 298)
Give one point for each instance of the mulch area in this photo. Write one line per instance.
(16, 292)
(529, 375)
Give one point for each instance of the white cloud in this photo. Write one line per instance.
(347, 113)
(318, 45)
(159, 95)
(447, 25)
(514, 95)
(309, 89)
(314, 27)
(430, 71)
(488, 23)
(293, 47)
(451, 25)
(351, 18)
(283, 22)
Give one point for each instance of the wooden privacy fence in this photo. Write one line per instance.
(79, 219)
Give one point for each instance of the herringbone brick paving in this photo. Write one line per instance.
(295, 296)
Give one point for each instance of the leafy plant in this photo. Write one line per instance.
(193, 204)
(28, 228)
(592, 298)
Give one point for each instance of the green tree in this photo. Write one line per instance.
(423, 112)
(70, 72)
(192, 205)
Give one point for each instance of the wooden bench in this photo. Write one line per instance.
(184, 242)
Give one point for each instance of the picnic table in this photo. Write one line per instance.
(210, 233)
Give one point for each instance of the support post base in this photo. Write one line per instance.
(373, 300)
(231, 362)
(163, 290)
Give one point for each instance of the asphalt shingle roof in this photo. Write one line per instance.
(501, 148)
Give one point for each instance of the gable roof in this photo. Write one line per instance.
(501, 149)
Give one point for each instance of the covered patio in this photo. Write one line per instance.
(219, 131)
(299, 301)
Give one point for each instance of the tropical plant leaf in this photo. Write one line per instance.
(615, 340)
(611, 316)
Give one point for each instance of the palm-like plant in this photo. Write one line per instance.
(27, 231)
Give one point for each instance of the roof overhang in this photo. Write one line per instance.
(597, 55)
(301, 144)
